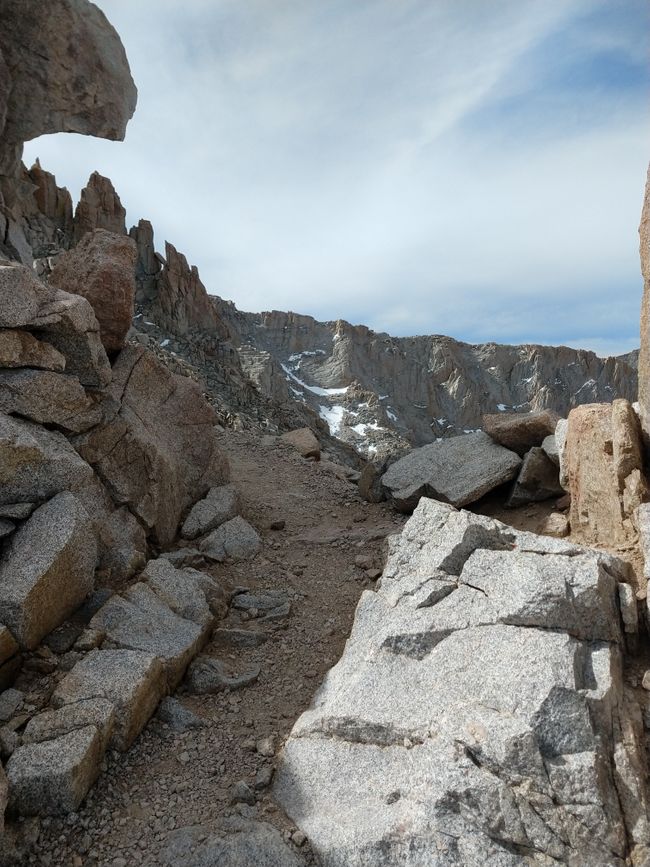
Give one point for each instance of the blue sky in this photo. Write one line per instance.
(421, 166)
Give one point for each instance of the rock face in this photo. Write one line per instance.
(478, 714)
(155, 467)
(47, 569)
(62, 69)
(458, 470)
(381, 393)
(101, 269)
(604, 467)
(644, 353)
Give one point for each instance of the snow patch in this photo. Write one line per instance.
(166, 342)
(321, 392)
(333, 415)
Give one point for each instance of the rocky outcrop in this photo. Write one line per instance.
(99, 207)
(101, 269)
(458, 471)
(478, 714)
(62, 69)
(604, 466)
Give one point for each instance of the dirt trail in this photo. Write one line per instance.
(170, 780)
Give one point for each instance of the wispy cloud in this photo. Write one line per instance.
(453, 167)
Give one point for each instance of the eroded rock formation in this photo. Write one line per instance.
(62, 69)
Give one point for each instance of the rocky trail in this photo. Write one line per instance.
(174, 778)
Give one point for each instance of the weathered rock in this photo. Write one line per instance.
(179, 718)
(644, 353)
(65, 321)
(304, 441)
(132, 681)
(549, 444)
(557, 525)
(520, 431)
(47, 569)
(458, 471)
(46, 214)
(101, 269)
(158, 454)
(234, 540)
(54, 776)
(207, 675)
(6, 528)
(233, 843)
(218, 506)
(141, 620)
(21, 349)
(97, 712)
(148, 264)
(370, 486)
(190, 593)
(48, 398)
(538, 480)
(11, 701)
(99, 207)
(182, 302)
(123, 545)
(16, 511)
(605, 472)
(8, 644)
(69, 72)
(560, 443)
(486, 673)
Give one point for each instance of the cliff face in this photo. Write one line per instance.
(376, 390)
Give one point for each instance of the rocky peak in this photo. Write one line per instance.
(99, 207)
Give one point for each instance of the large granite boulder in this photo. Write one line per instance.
(603, 463)
(47, 569)
(101, 269)
(478, 714)
(157, 452)
(459, 471)
(520, 431)
(234, 842)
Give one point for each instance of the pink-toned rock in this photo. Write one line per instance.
(605, 472)
(101, 269)
(520, 431)
(99, 207)
(158, 453)
(304, 441)
(21, 349)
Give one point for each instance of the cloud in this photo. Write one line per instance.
(449, 167)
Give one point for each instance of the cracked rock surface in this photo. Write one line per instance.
(478, 714)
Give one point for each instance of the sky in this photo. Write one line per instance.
(455, 167)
